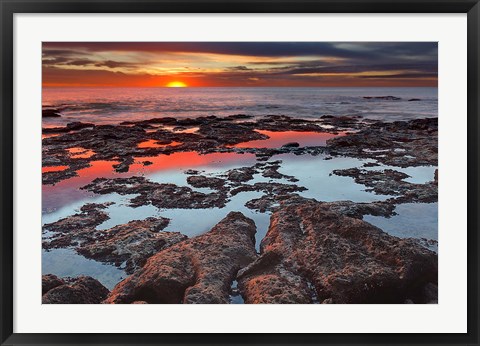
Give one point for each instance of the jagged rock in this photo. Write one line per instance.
(72, 229)
(198, 270)
(50, 281)
(130, 244)
(159, 195)
(400, 143)
(343, 258)
(50, 113)
(242, 174)
(391, 182)
(210, 182)
(291, 145)
(82, 290)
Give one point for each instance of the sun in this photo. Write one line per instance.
(176, 84)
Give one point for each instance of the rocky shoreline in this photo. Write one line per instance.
(314, 251)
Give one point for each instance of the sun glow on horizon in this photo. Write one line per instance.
(176, 84)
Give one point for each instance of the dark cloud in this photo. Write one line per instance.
(402, 75)
(66, 61)
(115, 64)
(274, 49)
(239, 68)
(308, 68)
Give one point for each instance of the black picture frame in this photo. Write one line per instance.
(10, 7)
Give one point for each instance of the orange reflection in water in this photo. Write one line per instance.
(186, 160)
(277, 139)
(53, 169)
(68, 190)
(152, 143)
(48, 135)
(80, 153)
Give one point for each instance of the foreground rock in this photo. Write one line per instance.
(131, 244)
(198, 270)
(80, 290)
(312, 253)
(127, 245)
(50, 281)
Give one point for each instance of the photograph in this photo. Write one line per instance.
(240, 172)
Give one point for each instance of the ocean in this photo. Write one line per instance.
(114, 105)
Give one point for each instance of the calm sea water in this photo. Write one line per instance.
(113, 105)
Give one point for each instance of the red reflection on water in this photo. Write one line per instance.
(277, 139)
(53, 169)
(68, 190)
(80, 153)
(186, 160)
(152, 143)
(49, 135)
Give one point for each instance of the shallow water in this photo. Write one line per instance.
(414, 220)
(279, 138)
(66, 262)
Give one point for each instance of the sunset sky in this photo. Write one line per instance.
(205, 64)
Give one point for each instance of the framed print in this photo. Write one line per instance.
(239, 173)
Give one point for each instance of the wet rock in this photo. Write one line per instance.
(81, 290)
(51, 113)
(345, 259)
(270, 170)
(160, 195)
(243, 174)
(124, 166)
(131, 244)
(77, 125)
(127, 245)
(75, 228)
(198, 270)
(230, 133)
(430, 293)
(191, 172)
(202, 181)
(358, 210)
(385, 98)
(268, 188)
(50, 281)
(400, 143)
(371, 164)
(414, 99)
(291, 145)
(390, 182)
(240, 116)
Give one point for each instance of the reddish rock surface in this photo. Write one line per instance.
(81, 290)
(198, 270)
(50, 281)
(160, 195)
(313, 253)
(131, 243)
